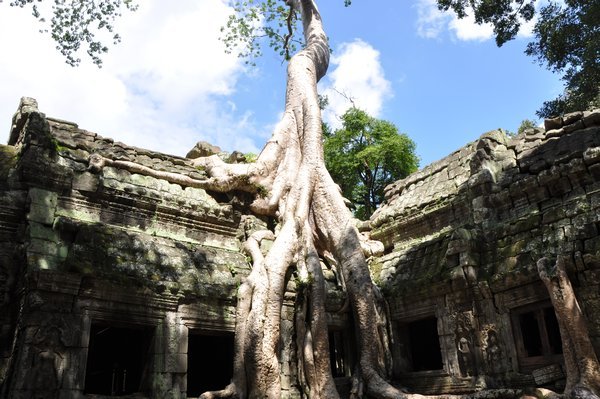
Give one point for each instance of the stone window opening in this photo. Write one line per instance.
(421, 345)
(118, 361)
(210, 361)
(338, 354)
(537, 336)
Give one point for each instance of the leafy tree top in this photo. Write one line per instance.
(74, 23)
(366, 155)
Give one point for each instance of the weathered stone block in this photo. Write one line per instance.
(548, 374)
(592, 245)
(175, 362)
(553, 123)
(526, 224)
(86, 181)
(43, 247)
(595, 171)
(42, 205)
(591, 118)
(553, 214)
(42, 232)
(559, 187)
(591, 261)
(36, 261)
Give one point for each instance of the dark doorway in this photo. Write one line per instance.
(530, 330)
(117, 359)
(337, 354)
(210, 362)
(425, 345)
(553, 331)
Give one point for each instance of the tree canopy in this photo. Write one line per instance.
(366, 155)
(566, 41)
(77, 23)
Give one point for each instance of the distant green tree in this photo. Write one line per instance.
(366, 155)
(566, 41)
(526, 124)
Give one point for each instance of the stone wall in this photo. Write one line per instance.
(463, 236)
(94, 255)
(112, 248)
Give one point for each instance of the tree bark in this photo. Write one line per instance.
(581, 363)
(312, 219)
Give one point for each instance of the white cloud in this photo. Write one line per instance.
(467, 30)
(431, 23)
(526, 30)
(355, 71)
(164, 87)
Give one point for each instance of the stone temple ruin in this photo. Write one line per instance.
(116, 283)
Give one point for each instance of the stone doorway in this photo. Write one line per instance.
(423, 343)
(118, 361)
(210, 360)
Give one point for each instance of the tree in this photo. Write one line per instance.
(566, 41)
(525, 125)
(366, 155)
(313, 223)
(74, 23)
(581, 363)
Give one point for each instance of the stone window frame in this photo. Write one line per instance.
(421, 307)
(527, 363)
(119, 319)
(404, 324)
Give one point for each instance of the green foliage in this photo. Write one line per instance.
(250, 157)
(257, 21)
(74, 23)
(567, 41)
(526, 124)
(505, 15)
(366, 155)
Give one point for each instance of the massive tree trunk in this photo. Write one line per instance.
(313, 221)
(581, 364)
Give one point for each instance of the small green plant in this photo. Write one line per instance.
(232, 270)
(250, 157)
(262, 191)
(304, 282)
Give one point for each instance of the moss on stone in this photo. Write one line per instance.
(8, 160)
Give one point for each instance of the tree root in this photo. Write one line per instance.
(581, 364)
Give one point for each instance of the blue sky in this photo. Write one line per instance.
(169, 84)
